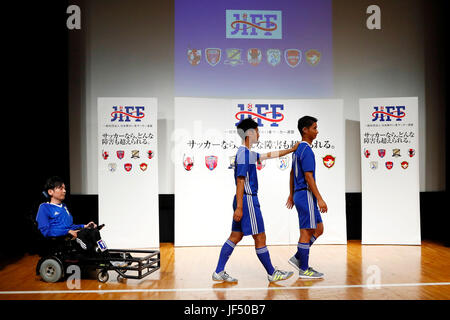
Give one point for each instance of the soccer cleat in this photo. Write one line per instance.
(293, 261)
(310, 274)
(279, 275)
(223, 276)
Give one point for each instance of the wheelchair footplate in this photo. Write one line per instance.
(129, 264)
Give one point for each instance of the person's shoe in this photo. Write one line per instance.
(310, 274)
(293, 261)
(279, 275)
(223, 276)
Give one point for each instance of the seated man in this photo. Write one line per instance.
(53, 218)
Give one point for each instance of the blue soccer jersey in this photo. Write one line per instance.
(303, 160)
(246, 167)
(55, 220)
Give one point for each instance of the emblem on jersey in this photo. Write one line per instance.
(254, 56)
(329, 161)
(150, 154)
(284, 163)
(260, 164)
(293, 57)
(366, 153)
(313, 57)
(233, 57)
(373, 165)
(112, 167)
(143, 166)
(211, 162)
(381, 152)
(120, 154)
(188, 162)
(194, 56)
(232, 162)
(273, 57)
(396, 153)
(128, 167)
(411, 153)
(135, 154)
(389, 165)
(105, 155)
(213, 56)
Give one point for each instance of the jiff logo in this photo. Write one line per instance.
(253, 24)
(272, 115)
(386, 113)
(123, 114)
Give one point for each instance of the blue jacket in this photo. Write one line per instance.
(55, 220)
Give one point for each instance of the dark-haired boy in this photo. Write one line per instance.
(247, 218)
(306, 197)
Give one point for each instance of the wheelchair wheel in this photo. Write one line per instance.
(51, 270)
(102, 275)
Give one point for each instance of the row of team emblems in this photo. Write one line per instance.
(128, 167)
(282, 163)
(133, 154)
(389, 165)
(254, 56)
(396, 153)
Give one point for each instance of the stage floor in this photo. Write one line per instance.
(352, 272)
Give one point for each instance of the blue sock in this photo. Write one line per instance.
(225, 253)
(264, 257)
(311, 241)
(303, 252)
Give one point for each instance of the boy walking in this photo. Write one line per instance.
(247, 218)
(305, 195)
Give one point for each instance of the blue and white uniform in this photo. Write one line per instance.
(55, 220)
(252, 220)
(303, 160)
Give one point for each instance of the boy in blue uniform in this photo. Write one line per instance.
(247, 218)
(306, 198)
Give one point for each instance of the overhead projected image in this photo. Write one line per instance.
(254, 48)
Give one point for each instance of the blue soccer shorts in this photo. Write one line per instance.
(252, 220)
(308, 211)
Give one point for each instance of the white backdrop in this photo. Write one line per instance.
(390, 197)
(203, 197)
(128, 181)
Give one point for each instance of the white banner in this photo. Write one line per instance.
(128, 172)
(206, 142)
(390, 171)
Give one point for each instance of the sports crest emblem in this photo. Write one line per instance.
(254, 56)
(135, 154)
(112, 167)
(105, 155)
(150, 154)
(381, 152)
(396, 153)
(128, 167)
(233, 57)
(213, 56)
(411, 153)
(373, 165)
(389, 165)
(273, 57)
(293, 57)
(405, 165)
(313, 57)
(194, 56)
(366, 153)
(120, 154)
(329, 161)
(211, 162)
(188, 162)
(232, 162)
(143, 166)
(284, 163)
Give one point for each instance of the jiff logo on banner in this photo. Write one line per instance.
(253, 24)
(123, 114)
(273, 115)
(386, 113)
